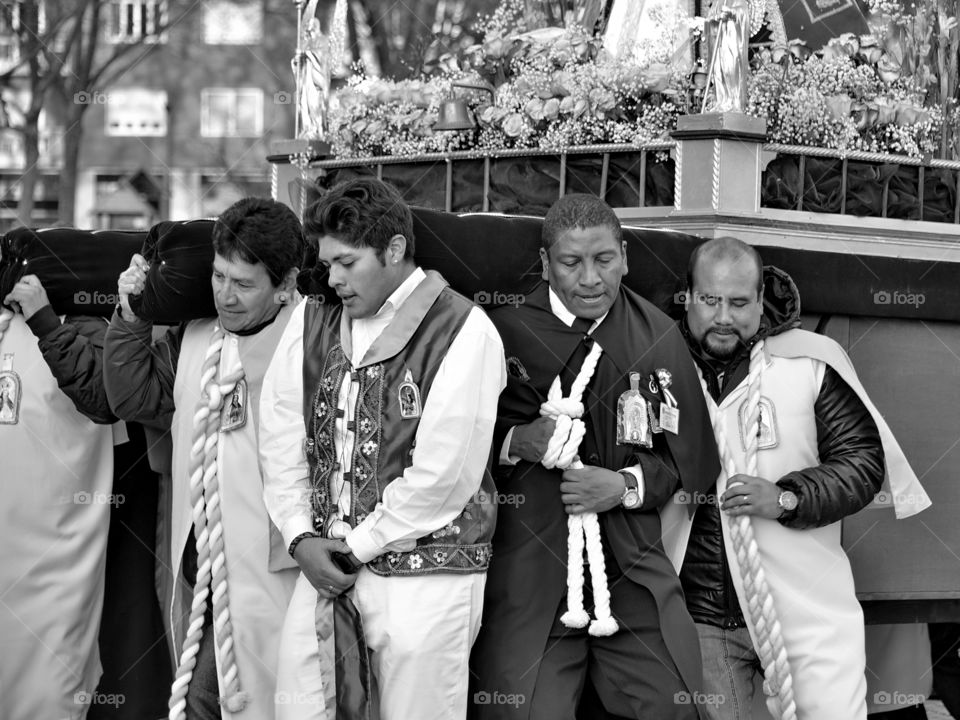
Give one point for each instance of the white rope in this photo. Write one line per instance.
(208, 530)
(583, 530)
(761, 612)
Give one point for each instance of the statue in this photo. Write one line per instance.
(311, 67)
(318, 57)
(727, 76)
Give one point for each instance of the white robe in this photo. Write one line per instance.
(57, 474)
(807, 570)
(260, 573)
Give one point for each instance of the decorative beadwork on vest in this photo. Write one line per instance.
(385, 435)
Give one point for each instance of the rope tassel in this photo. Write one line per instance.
(208, 531)
(761, 609)
(583, 530)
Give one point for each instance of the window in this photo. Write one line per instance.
(233, 22)
(231, 112)
(132, 21)
(136, 112)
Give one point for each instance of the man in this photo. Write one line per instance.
(527, 664)
(258, 248)
(820, 457)
(56, 447)
(377, 419)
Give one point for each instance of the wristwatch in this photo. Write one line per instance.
(631, 494)
(787, 501)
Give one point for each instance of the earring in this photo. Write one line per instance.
(282, 297)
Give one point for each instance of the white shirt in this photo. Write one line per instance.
(452, 441)
(564, 315)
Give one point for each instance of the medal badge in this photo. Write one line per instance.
(10, 392)
(409, 397)
(633, 421)
(669, 412)
(767, 434)
(234, 413)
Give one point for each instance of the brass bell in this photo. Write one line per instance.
(454, 115)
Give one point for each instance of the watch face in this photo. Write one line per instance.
(788, 500)
(631, 499)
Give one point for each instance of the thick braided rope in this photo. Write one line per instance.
(761, 612)
(583, 531)
(208, 531)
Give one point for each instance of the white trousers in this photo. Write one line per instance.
(420, 630)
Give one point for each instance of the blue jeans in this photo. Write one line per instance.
(732, 675)
(203, 694)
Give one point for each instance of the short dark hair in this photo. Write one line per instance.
(725, 248)
(260, 230)
(578, 210)
(364, 212)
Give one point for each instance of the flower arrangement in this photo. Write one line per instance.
(893, 91)
(846, 98)
(554, 88)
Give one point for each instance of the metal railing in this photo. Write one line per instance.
(923, 165)
(450, 158)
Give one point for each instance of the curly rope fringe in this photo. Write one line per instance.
(208, 530)
(583, 531)
(761, 612)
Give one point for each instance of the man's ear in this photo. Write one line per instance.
(687, 296)
(545, 260)
(623, 249)
(396, 249)
(289, 281)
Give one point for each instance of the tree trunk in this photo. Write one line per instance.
(67, 192)
(28, 180)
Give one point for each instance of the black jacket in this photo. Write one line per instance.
(850, 472)
(73, 351)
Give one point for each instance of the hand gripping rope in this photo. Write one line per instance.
(762, 615)
(582, 530)
(208, 529)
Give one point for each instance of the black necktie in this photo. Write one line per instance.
(573, 365)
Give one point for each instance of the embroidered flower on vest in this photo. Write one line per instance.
(327, 384)
(366, 425)
(368, 448)
(440, 556)
(416, 562)
(373, 371)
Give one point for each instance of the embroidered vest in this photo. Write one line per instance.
(384, 434)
